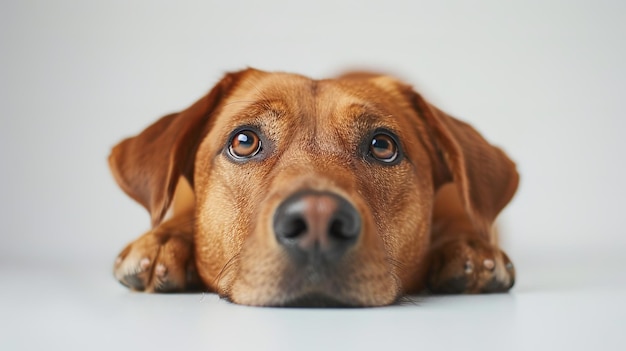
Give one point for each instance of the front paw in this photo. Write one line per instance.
(158, 262)
(469, 265)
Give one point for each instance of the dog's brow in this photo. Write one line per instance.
(366, 112)
(274, 106)
(256, 107)
(269, 104)
(265, 104)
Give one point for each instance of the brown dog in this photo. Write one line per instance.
(348, 191)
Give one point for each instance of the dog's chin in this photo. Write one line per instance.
(313, 299)
(317, 300)
(314, 285)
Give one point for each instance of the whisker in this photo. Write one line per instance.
(408, 300)
(399, 265)
(225, 268)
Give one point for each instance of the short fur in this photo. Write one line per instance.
(427, 221)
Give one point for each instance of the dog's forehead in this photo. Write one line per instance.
(319, 102)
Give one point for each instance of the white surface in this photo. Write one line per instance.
(543, 79)
(559, 305)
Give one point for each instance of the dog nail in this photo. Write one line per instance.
(509, 266)
(144, 263)
(468, 267)
(489, 264)
(160, 270)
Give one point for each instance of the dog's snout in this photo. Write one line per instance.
(317, 222)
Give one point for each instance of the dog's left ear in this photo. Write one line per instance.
(485, 176)
(148, 166)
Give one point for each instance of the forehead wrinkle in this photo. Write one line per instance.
(294, 96)
(370, 110)
(364, 116)
(268, 91)
(259, 105)
(253, 111)
(329, 133)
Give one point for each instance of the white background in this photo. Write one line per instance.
(545, 80)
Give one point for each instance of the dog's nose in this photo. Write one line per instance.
(317, 223)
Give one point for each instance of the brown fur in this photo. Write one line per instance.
(427, 220)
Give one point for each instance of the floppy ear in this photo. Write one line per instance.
(485, 176)
(147, 167)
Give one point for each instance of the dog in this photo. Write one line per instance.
(279, 190)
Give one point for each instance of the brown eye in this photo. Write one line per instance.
(245, 144)
(383, 148)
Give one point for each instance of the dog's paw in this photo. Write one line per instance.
(158, 262)
(470, 266)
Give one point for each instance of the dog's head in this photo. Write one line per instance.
(313, 191)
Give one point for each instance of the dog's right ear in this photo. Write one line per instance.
(486, 178)
(147, 167)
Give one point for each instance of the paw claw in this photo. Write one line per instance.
(157, 262)
(160, 270)
(489, 264)
(468, 267)
(144, 264)
(134, 282)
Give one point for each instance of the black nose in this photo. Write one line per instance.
(317, 223)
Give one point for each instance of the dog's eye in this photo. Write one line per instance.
(383, 148)
(245, 144)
